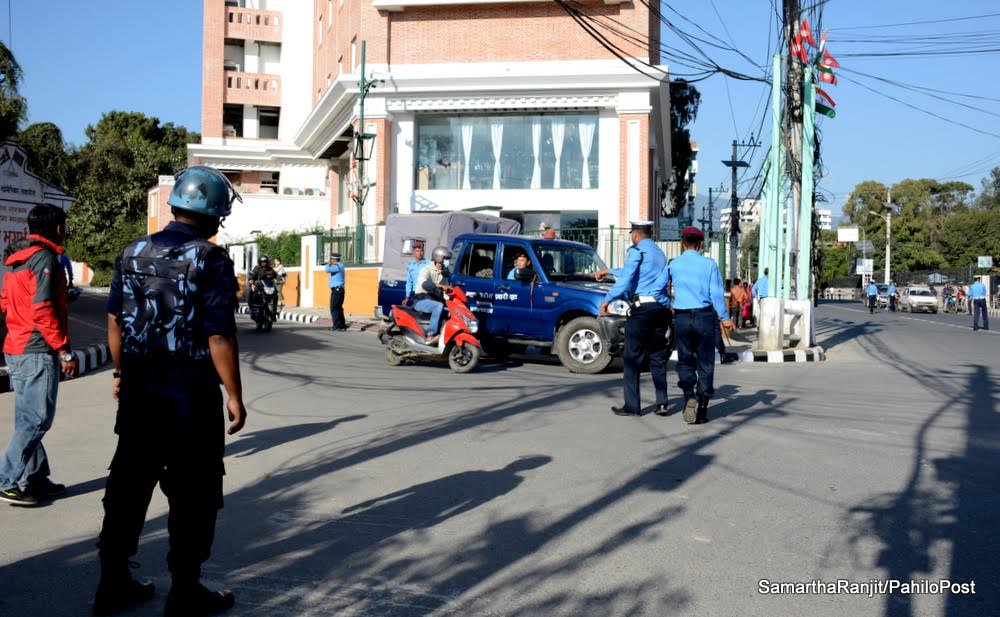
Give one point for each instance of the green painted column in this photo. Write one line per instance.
(803, 278)
(775, 182)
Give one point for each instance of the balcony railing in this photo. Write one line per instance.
(256, 24)
(253, 88)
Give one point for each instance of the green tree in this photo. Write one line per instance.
(112, 173)
(13, 107)
(47, 154)
(967, 235)
(989, 198)
(684, 102)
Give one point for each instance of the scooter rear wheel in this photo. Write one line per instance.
(463, 358)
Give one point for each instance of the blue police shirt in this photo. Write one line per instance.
(412, 272)
(871, 290)
(697, 283)
(760, 287)
(512, 275)
(218, 288)
(336, 275)
(892, 289)
(643, 274)
(977, 291)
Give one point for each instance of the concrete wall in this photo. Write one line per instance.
(270, 214)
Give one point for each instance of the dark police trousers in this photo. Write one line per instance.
(694, 337)
(646, 339)
(171, 431)
(979, 308)
(337, 308)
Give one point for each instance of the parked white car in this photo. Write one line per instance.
(921, 299)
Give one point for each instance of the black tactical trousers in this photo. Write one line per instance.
(171, 434)
(646, 340)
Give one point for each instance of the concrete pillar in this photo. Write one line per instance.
(770, 326)
(310, 245)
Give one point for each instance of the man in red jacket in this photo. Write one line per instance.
(36, 348)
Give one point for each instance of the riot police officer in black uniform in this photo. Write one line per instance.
(172, 334)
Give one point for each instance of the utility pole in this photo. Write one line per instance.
(734, 215)
(792, 14)
(363, 142)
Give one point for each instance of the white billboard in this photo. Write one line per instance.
(866, 266)
(986, 262)
(847, 234)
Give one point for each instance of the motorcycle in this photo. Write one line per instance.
(405, 334)
(264, 304)
(954, 304)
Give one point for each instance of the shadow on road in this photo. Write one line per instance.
(258, 441)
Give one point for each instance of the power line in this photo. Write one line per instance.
(913, 23)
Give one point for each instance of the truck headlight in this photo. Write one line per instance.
(618, 307)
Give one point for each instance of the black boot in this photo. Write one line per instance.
(195, 600)
(118, 591)
(702, 414)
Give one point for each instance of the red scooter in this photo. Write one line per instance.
(405, 335)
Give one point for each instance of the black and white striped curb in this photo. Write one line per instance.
(89, 359)
(813, 354)
(285, 315)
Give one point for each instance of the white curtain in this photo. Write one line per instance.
(587, 126)
(466, 125)
(536, 142)
(558, 131)
(496, 135)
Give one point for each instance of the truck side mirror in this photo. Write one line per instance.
(525, 275)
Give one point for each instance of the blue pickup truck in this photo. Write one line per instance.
(552, 305)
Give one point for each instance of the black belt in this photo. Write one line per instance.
(336, 288)
(703, 309)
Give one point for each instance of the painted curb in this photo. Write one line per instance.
(89, 358)
(813, 354)
(285, 315)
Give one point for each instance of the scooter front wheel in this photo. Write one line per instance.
(464, 358)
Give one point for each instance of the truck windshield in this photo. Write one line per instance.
(562, 263)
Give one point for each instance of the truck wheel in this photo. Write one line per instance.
(463, 358)
(581, 348)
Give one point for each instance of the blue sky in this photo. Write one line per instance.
(81, 59)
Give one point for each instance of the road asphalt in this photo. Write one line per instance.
(358, 488)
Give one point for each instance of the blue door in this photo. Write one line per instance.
(512, 299)
(474, 273)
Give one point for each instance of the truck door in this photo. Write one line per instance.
(512, 299)
(474, 273)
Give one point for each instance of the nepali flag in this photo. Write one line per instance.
(806, 34)
(829, 61)
(797, 50)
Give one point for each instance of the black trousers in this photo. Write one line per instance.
(172, 435)
(979, 308)
(695, 338)
(646, 340)
(337, 308)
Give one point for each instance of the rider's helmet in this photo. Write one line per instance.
(440, 254)
(204, 191)
(263, 261)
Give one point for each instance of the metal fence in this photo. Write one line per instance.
(343, 240)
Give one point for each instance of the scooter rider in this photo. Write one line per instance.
(264, 272)
(431, 283)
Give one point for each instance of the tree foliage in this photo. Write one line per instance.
(112, 173)
(684, 102)
(13, 107)
(48, 156)
(927, 215)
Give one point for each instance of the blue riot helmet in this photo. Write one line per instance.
(204, 191)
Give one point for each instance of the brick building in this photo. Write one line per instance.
(503, 104)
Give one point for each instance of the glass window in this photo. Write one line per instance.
(268, 117)
(461, 152)
(561, 262)
(510, 253)
(478, 260)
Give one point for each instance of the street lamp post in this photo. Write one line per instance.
(887, 217)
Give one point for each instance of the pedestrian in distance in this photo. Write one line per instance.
(737, 299)
(279, 269)
(642, 282)
(977, 296)
(699, 306)
(418, 263)
(337, 291)
(37, 350)
(892, 296)
(168, 367)
(872, 292)
(760, 288)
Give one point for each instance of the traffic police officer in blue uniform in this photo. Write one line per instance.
(336, 271)
(413, 269)
(642, 282)
(172, 336)
(699, 303)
